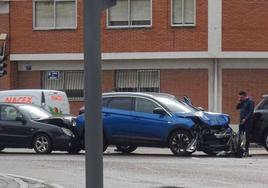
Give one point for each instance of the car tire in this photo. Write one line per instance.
(265, 141)
(42, 144)
(105, 144)
(178, 142)
(2, 148)
(126, 149)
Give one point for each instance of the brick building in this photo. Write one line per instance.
(206, 49)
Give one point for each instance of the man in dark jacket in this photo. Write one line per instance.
(246, 108)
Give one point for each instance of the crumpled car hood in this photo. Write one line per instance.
(208, 118)
(61, 121)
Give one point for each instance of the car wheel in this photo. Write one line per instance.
(179, 142)
(105, 144)
(42, 144)
(265, 140)
(126, 149)
(2, 148)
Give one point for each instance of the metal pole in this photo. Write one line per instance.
(93, 128)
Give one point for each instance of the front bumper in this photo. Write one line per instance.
(64, 143)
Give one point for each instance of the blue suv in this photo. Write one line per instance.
(132, 119)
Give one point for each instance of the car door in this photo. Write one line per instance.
(117, 116)
(148, 127)
(14, 131)
(260, 120)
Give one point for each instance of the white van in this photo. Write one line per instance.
(53, 101)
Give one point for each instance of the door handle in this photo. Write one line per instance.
(107, 115)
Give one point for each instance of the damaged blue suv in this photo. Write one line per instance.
(132, 119)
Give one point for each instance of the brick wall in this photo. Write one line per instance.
(28, 80)
(254, 81)
(108, 80)
(245, 25)
(161, 37)
(190, 82)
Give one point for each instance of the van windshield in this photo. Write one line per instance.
(35, 112)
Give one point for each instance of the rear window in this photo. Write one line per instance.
(263, 105)
(122, 103)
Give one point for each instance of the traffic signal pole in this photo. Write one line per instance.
(93, 119)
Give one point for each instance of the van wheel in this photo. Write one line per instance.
(179, 142)
(42, 144)
(126, 149)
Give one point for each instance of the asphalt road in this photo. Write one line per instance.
(147, 167)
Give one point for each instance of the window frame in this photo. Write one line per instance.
(182, 24)
(144, 98)
(17, 112)
(110, 99)
(137, 72)
(129, 26)
(54, 6)
(63, 75)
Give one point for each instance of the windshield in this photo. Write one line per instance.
(35, 112)
(174, 105)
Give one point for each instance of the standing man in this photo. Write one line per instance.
(246, 108)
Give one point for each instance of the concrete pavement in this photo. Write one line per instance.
(14, 181)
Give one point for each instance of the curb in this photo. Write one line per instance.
(23, 181)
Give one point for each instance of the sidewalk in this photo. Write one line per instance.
(14, 181)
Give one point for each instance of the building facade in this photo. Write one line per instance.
(208, 50)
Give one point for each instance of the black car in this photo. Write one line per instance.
(29, 126)
(260, 127)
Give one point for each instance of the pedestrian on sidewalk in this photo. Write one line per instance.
(246, 108)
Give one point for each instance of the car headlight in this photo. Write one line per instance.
(68, 132)
(74, 123)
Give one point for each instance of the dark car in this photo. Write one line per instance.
(29, 126)
(134, 119)
(260, 126)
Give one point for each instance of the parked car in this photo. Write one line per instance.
(133, 119)
(260, 126)
(30, 126)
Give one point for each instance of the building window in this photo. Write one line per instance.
(138, 80)
(54, 14)
(130, 13)
(72, 82)
(183, 12)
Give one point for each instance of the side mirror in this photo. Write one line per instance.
(159, 111)
(200, 108)
(21, 119)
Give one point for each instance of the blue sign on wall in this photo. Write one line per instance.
(53, 75)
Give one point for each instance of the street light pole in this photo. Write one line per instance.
(93, 119)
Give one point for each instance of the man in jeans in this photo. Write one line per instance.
(246, 108)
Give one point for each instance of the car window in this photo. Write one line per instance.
(145, 105)
(263, 104)
(122, 103)
(9, 113)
